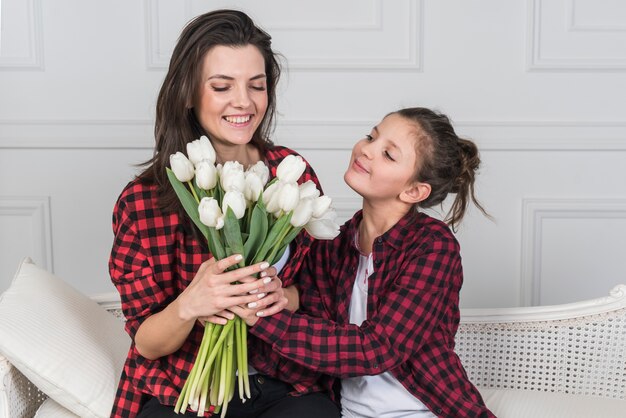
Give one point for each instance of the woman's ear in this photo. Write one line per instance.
(416, 193)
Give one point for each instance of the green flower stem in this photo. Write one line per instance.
(244, 366)
(239, 351)
(223, 376)
(217, 380)
(188, 388)
(193, 191)
(228, 372)
(279, 243)
(201, 357)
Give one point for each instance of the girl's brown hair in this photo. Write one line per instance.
(176, 123)
(448, 163)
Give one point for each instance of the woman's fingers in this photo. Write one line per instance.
(220, 318)
(264, 285)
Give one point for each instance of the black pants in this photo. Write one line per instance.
(268, 399)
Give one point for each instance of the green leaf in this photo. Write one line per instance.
(258, 231)
(273, 238)
(291, 235)
(215, 244)
(199, 192)
(232, 233)
(188, 201)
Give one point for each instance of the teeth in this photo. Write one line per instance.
(237, 119)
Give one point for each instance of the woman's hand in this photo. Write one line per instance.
(274, 301)
(221, 318)
(212, 291)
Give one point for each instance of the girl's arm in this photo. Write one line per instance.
(408, 313)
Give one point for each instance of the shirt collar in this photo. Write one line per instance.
(391, 237)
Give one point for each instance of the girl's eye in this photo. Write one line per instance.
(388, 156)
(369, 137)
(219, 88)
(258, 88)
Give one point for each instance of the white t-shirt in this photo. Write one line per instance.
(381, 395)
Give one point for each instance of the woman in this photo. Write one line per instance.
(221, 83)
(379, 304)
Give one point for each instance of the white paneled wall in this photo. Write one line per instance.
(540, 85)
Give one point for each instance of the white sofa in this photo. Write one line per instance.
(61, 354)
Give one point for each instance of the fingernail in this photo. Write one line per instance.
(264, 265)
(252, 292)
(260, 295)
(260, 313)
(263, 274)
(267, 280)
(239, 257)
(252, 305)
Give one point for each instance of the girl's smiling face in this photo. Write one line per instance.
(383, 164)
(232, 100)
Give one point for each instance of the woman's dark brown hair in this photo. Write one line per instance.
(176, 123)
(448, 163)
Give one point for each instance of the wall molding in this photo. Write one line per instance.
(538, 60)
(158, 55)
(319, 134)
(575, 26)
(37, 208)
(33, 60)
(534, 212)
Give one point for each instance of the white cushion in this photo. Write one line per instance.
(51, 409)
(65, 343)
(513, 403)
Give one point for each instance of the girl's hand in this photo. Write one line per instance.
(221, 318)
(212, 291)
(272, 302)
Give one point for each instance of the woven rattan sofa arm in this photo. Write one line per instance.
(19, 398)
(577, 348)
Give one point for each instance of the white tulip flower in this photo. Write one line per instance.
(270, 197)
(290, 168)
(321, 205)
(253, 187)
(235, 200)
(308, 189)
(261, 170)
(210, 212)
(201, 150)
(232, 177)
(182, 167)
(288, 197)
(206, 175)
(324, 227)
(302, 213)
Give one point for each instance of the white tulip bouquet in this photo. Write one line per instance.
(239, 212)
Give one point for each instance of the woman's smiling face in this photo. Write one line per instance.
(232, 100)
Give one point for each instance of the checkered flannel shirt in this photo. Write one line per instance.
(412, 314)
(154, 257)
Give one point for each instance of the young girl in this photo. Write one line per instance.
(221, 83)
(380, 303)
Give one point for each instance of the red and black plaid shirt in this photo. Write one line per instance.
(412, 314)
(155, 257)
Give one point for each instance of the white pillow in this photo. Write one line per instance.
(515, 403)
(51, 409)
(65, 343)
